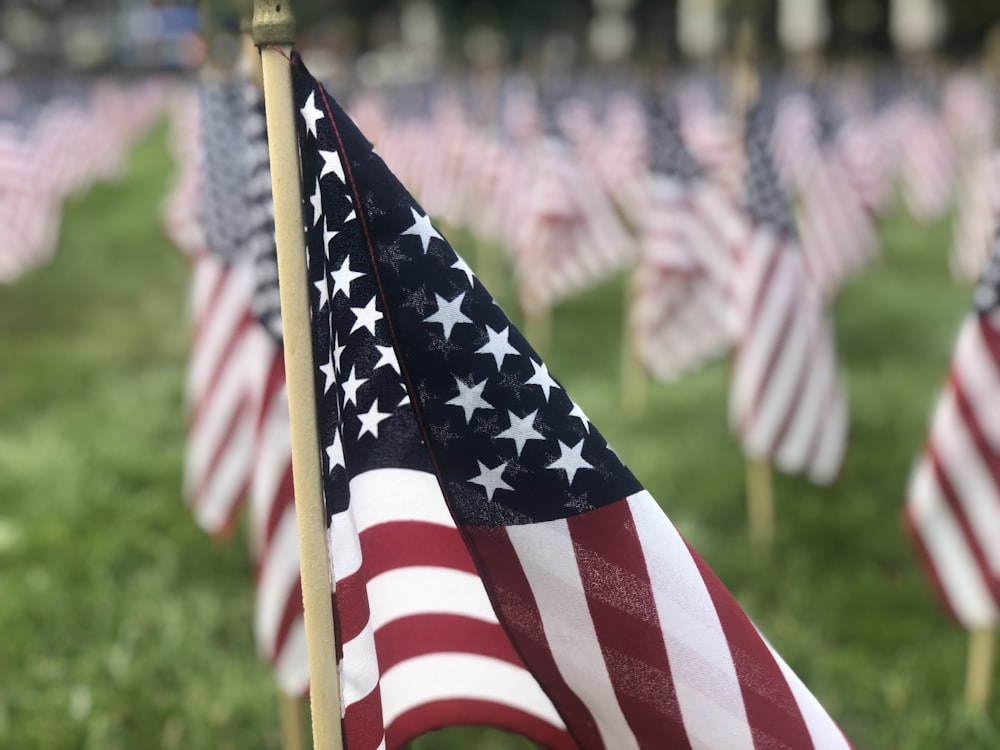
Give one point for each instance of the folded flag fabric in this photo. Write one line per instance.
(493, 560)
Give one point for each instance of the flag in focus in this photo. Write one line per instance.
(493, 560)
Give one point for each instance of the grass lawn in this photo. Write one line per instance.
(123, 626)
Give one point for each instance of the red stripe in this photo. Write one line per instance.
(439, 714)
(419, 635)
(991, 339)
(223, 361)
(351, 604)
(514, 603)
(220, 449)
(772, 711)
(623, 609)
(363, 722)
(402, 544)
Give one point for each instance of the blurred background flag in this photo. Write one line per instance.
(787, 403)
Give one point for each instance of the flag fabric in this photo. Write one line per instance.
(238, 450)
(681, 316)
(279, 625)
(838, 238)
(977, 214)
(224, 368)
(493, 560)
(786, 401)
(953, 495)
(928, 163)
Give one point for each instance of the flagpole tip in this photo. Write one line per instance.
(273, 22)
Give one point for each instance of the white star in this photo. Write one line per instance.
(422, 228)
(351, 216)
(343, 277)
(491, 479)
(367, 317)
(335, 452)
(387, 358)
(324, 293)
(470, 398)
(328, 234)
(317, 204)
(331, 163)
(498, 345)
(370, 421)
(542, 379)
(311, 114)
(327, 370)
(577, 412)
(521, 430)
(449, 314)
(570, 460)
(462, 266)
(351, 387)
(338, 350)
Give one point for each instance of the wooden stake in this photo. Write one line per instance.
(760, 503)
(291, 724)
(273, 24)
(979, 672)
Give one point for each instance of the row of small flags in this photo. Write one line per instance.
(540, 194)
(56, 142)
(574, 194)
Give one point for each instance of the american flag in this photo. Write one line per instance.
(977, 213)
(688, 239)
(224, 369)
(238, 443)
(838, 238)
(928, 163)
(786, 402)
(953, 497)
(279, 626)
(493, 560)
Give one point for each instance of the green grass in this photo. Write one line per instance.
(123, 626)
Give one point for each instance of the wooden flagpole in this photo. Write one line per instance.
(273, 32)
(979, 672)
(760, 487)
(288, 706)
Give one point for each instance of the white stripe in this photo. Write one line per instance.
(977, 371)
(793, 452)
(764, 338)
(225, 316)
(547, 556)
(271, 460)
(220, 498)
(419, 590)
(781, 387)
(344, 545)
(970, 478)
(701, 664)
(960, 576)
(278, 576)
(215, 414)
(292, 665)
(833, 439)
(385, 495)
(361, 674)
(452, 676)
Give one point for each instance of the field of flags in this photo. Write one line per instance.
(493, 560)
